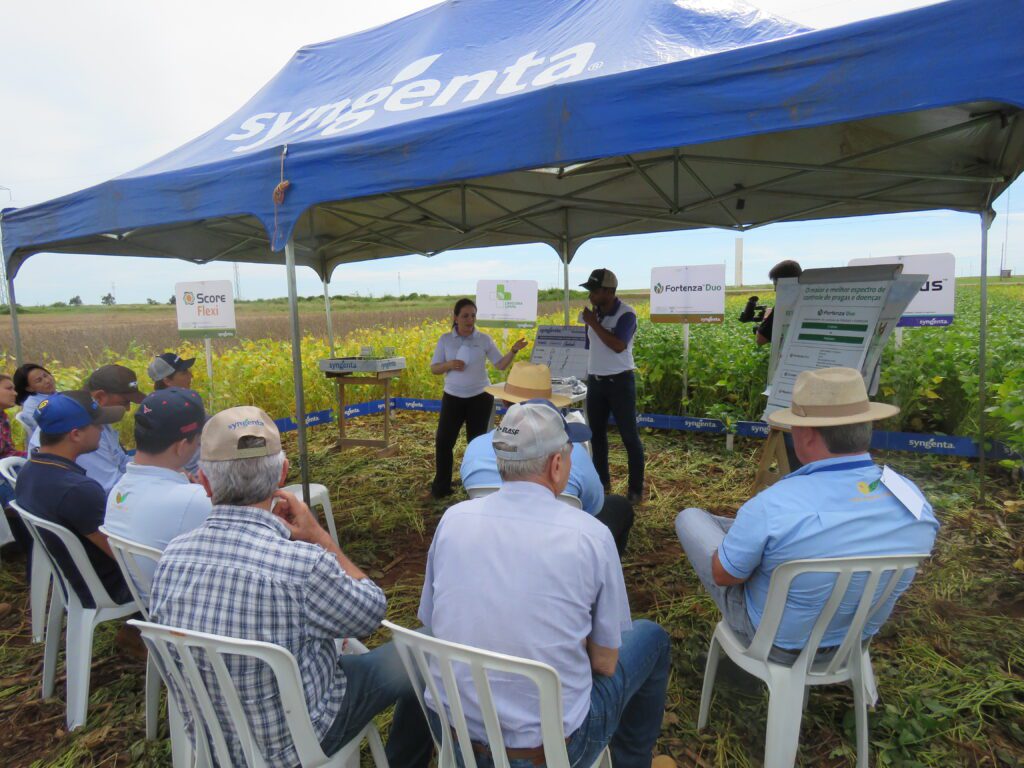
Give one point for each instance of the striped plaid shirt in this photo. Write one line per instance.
(239, 574)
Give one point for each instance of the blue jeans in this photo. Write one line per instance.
(615, 395)
(376, 680)
(625, 709)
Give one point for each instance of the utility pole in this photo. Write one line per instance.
(238, 282)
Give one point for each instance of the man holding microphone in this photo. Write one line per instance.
(611, 386)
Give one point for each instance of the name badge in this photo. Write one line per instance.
(903, 491)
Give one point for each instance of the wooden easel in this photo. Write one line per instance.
(773, 451)
(381, 378)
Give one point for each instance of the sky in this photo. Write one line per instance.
(92, 90)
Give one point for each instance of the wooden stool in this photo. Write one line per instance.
(382, 379)
(773, 450)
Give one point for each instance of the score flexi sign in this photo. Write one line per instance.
(506, 303)
(206, 309)
(934, 303)
(688, 294)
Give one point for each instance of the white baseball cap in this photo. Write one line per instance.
(535, 429)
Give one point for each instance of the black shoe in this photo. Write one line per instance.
(635, 497)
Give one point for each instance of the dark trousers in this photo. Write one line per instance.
(615, 395)
(617, 514)
(475, 413)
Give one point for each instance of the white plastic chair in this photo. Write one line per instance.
(421, 654)
(9, 472)
(82, 621)
(27, 423)
(137, 562)
(788, 686)
(175, 649)
(486, 490)
(318, 497)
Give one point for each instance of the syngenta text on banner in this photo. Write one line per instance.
(206, 309)
(694, 294)
(506, 303)
(933, 304)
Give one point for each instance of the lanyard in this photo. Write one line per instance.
(841, 466)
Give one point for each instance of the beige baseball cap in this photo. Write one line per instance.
(225, 432)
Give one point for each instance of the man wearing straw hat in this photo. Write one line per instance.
(838, 504)
(531, 382)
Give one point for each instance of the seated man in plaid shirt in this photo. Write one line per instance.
(261, 568)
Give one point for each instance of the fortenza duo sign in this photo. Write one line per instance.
(206, 309)
(688, 294)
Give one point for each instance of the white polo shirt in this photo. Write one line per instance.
(152, 505)
(602, 361)
(474, 350)
(521, 573)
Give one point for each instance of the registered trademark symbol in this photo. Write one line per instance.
(595, 66)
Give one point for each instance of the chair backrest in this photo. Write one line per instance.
(486, 490)
(845, 569)
(27, 422)
(10, 467)
(137, 563)
(175, 651)
(425, 658)
(37, 527)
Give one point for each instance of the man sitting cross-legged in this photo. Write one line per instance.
(835, 505)
(261, 568)
(521, 573)
(528, 381)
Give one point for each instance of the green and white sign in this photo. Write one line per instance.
(206, 309)
(694, 294)
(506, 303)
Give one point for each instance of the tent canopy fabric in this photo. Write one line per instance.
(483, 122)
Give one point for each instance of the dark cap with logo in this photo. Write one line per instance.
(174, 414)
(168, 364)
(600, 278)
(117, 380)
(65, 411)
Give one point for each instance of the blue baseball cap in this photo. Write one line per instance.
(65, 411)
(174, 413)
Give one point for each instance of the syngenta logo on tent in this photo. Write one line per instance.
(409, 91)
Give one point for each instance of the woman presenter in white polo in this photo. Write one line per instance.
(461, 357)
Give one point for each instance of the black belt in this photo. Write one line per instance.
(609, 376)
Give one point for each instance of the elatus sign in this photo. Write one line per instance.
(410, 90)
(206, 309)
(935, 302)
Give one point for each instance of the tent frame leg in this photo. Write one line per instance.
(300, 398)
(565, 263)
(15, 328)
(327, 313)
(987, 217)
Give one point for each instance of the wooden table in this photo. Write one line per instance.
(385, 447)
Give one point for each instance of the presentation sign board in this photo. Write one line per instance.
(841, 318)
(934, 303)
(206, 309)
(563, 349)
(506, 303)
(694, 294)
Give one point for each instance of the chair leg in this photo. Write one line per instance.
(870, 687)
(710, 670)
(181, 746)
(862, 676)
(376, 747)
(332, 527)
(81, 624)
(54, 620)
(785, 695)
(38, 588)
(153, 684)
(605, 761)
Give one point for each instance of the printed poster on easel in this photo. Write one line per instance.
(563, 349)
(841, 317)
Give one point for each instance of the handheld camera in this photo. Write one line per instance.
(753, 312)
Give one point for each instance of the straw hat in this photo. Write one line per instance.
(528, 381)
(829, 397)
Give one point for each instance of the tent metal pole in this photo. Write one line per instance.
(565, 263)
(327, 312)
(15, 328)
(986, 221)
(300, 398)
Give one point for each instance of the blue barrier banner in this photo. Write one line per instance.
(681, 423)
(924, 321)
(752, 428)
(947, 445)
(413, 404)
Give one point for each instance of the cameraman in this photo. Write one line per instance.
(787, 268)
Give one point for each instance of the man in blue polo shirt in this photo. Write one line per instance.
(54, 487)
(611, 386)
(838, 504)
(155, 501)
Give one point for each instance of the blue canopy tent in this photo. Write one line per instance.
(482, 122)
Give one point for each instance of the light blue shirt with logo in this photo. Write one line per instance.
(831, 508)
(105, 465)
(480, 469)
(152, 505)
(474, 350)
